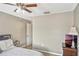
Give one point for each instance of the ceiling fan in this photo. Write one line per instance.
(23, 6)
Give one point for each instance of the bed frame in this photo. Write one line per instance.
(5, 37)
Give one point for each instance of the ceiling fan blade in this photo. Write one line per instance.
(30, 5)
(23, 6)
(27, 10)
(10, 4)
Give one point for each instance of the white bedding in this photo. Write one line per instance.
(17, 51)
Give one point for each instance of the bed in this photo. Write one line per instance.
(8, 49)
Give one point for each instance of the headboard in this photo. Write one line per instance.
(5, 37)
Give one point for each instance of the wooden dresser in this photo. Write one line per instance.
(69, 51)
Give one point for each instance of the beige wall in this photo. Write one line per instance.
(76, 21)
(12, 25)
(49, 30)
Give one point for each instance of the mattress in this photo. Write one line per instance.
(18, 51)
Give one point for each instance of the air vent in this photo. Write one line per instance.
(47, 12)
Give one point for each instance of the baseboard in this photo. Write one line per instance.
(57, 54)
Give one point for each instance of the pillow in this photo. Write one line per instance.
(6, 44)
(9, 43)
(3, 45)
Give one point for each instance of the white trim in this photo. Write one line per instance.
(57, 54)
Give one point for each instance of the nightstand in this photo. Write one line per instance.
(69, 51)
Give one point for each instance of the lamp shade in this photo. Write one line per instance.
(73, 31)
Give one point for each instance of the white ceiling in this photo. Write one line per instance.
(39, 11)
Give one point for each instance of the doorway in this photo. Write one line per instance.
(28, 35)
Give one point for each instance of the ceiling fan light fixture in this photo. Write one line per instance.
(23, 11)
(18, 10)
